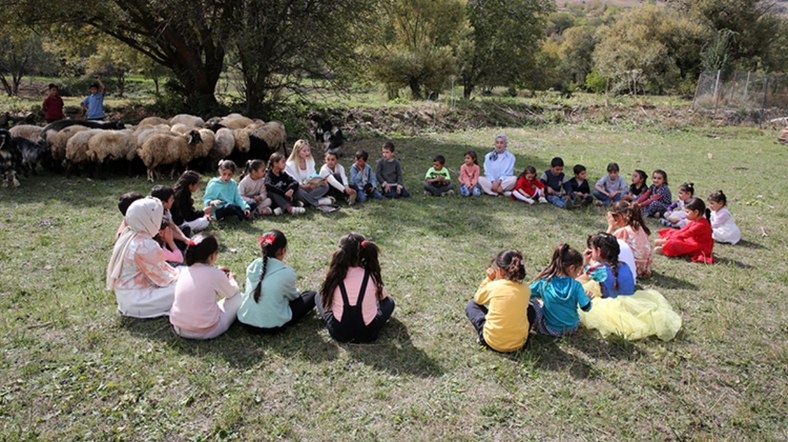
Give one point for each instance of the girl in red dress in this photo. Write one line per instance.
(694, 239)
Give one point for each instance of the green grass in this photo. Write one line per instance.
(72, 369)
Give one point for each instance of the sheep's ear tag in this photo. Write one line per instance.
(191, 139)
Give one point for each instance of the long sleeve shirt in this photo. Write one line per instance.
(389, 172)
(506, 325)
(272, 309)
(499, 168)
(281, 183)
(301, 175)
(250, 188)
(328, 174)
(183, 208)
(653, 194)
(195, 308)
(555, 182)
(360, 178)
(226, 192)
(469, 175)
(53, 107)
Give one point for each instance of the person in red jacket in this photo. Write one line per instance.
(694, 239)
(53, 105)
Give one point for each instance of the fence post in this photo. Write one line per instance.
(765, 93)
(747, 87)
(716, 91)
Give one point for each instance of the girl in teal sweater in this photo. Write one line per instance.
(222, 194)
(271, 300)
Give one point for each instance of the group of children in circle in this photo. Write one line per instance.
(162, 266)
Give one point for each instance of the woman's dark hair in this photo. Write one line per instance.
(664, 175)
(563, 258)
(632, 214)
(200, 248)
(227, 164)
(163, 193)
(688, 187)
(187, 179)
(252, 165)
(354, 251)
(474, 157)
(511, 263)
(608, 245)
(270, 244)
(275, 158)
(527, 170)
(699, 205)
(126, 199)
(719, 197)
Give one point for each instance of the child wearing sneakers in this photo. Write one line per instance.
(611, 187)
(555, 183)
(362, 179)
(334, 174)
(437, 181)
(252, 188)
(388, 172)
(579, 191)
(528, 187)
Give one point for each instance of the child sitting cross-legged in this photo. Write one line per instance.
(437, 181)
(499, 310)
(362, 179)
(388, 172)
(674, 214)
(469, 175)
(196, 314)
(555, 183)
(334, 174)
(694, 239)
(611, 187)
(352, 301)
(252, 188)
(577, 187)
(528, 188)
(222, 194)
(602, 253)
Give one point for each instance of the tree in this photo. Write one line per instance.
(577, 53)
(416, 45)
(277, 43)
(22, 53)
(503, 41)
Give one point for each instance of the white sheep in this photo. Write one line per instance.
(272, 132)
(153, 121)
(223, 145)
(204, 147)
(112, 145)
(166, 149)
(58, 140)
(77, 148)
(235, 121)
(142, 133)
(181, 128)
(27, 131)
(241, 137)
(189, 120)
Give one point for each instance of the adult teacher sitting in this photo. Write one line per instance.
(498, 175)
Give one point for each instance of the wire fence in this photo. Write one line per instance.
(747, 91)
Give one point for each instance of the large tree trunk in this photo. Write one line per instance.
(415, 89)
(467, 89)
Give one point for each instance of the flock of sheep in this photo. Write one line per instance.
(182, 141)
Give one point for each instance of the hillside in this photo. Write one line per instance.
(781, 5)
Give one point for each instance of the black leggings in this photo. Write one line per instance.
(230, 210)
(477, 314)
(300, 306)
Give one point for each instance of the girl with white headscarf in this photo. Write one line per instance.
(499, 177)
(143, 282)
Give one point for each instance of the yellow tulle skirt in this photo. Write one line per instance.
(633, 317)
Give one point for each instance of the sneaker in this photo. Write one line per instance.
(542, 200)
(328, 209)
(298, 204)
(326, 201)
(529, 200)
(278, 211)
(449, 193)
(265, 211)
(507, 193)
(297, 210)
(351, 199)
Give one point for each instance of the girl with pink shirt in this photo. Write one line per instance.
(469, 175)
(195, 312)
(352, 301)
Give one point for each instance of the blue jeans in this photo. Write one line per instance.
(392, 193)
(362, 196)
(476, 191)
(559, 201)
(606, 200)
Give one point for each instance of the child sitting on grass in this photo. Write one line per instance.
(674, 214)
(252, 188)
(528, 188)
(196, 314)
(437, 181)
(469, 175)
(222, 194)
(694, 239)
(124, 202)
(625, 222)
(577, 187)
(499, 310)
(352, 301)
(166, 195)
(334, 174)
(602, 252)
(281, 187)
(362, 179)
(724, 228)
(638, 185)
(185, 216)
(388, 172)
(556, 295)
(611, 187)
(656, 199)
(271, 300)
(555, 183)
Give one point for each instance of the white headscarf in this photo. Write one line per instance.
(143, 217)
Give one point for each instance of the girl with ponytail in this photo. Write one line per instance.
(674, 215)
(556, 295)
(252, 187)
(352, 301)
(499, 310)
(723, 226)
(603, 250)
(694, 240)
(271, 300)
(625, 222)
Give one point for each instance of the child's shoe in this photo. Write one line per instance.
(529, 200)
(297, 210)
(351, 199)
(507, 193)
(542, 200)
(278, 211)
(265, 211)
(326, 201)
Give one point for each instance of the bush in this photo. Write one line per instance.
(595, 82)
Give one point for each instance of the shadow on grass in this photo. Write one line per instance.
(750, 245)
(664, 281)
(395, 353)
(733, 262)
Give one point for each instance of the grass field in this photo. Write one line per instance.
(73, 369)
